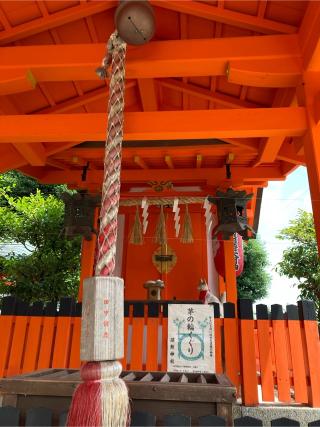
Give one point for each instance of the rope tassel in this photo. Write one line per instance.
(161, 232)
(136, 237)
(187, 235)
(102, 398)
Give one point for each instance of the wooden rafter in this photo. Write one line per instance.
(208, 95)
(10, 157)
(53, 20)
(160, 59)
(210, 175)
(148, 94)
(169, 162)
(225, 16)
(140, 162)
(198, 124)
(193, 150)
(269, 147)
(78, 101)
(288, 153)
(309, 35)
(199, 161)
(34, 154)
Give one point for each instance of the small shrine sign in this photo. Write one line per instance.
(191, 338)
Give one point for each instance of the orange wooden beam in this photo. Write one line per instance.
(159, 125)
(140, 162)
(225, 16)
(208, 95)
(15, 81)
(312, 148)
(249, 144)
(168, 161)
(34, 154)
(269, 147)
(10, 158)
(56, 164)
(149, 98)
(156, 59)
(265, 73)
(309, 37)
(199, 160)
(288, 153)
(212, 176)
(53, 20)
(153, 153)
(79, 101)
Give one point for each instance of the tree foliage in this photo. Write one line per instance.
(300, 261)
(254, 281)
(50, 269)
(21, 185)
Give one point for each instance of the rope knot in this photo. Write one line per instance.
(114, 44)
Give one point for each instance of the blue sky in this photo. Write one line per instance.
(280, 203)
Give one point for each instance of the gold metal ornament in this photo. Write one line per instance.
(164, 259)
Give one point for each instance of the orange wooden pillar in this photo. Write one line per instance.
(88, 249)
(230, 271)
(312, 144)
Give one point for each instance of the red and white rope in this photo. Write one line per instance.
(112, 163)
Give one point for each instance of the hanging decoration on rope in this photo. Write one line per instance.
(208, 215)
(176, 211)
(145, 214)
(161, 231)
(187, 234)
(136, 237)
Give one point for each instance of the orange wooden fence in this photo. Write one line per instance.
(272, 358)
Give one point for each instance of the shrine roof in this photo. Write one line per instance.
(216, 85)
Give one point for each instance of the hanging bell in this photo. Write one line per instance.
(79, 215)
(135, 21)
(232, 213)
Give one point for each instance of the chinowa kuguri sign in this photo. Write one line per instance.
(191, 338)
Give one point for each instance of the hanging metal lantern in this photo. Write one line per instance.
(79, 215)
(232, 213)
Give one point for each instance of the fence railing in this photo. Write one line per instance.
(274, 357)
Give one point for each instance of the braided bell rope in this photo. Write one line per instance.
(107, 237)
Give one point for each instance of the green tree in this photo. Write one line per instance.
(254, 281)
(21, 185)
(50, 269)
(300, 261)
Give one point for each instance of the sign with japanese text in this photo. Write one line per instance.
(191, 338)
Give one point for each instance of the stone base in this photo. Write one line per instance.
(102, 319)
(266, 413)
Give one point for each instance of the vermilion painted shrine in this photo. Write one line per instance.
(226, 95)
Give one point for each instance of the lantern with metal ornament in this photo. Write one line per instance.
(79, 214)
(232, 213)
